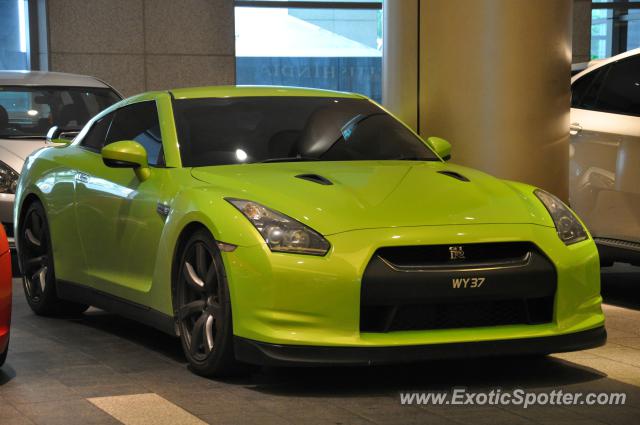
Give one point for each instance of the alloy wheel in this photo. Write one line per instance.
(200, 312)
(36, 261)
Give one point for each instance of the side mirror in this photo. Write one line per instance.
(440, 146)
(61, 136)
(127, 154)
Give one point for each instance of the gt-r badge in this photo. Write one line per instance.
(456, 253)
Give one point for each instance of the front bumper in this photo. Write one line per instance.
(5, 299)
(297, 300)
(260, 353)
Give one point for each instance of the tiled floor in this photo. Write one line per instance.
(59, 371)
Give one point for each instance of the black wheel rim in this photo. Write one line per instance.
(200, 312)
(35, 262)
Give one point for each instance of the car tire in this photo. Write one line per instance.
(204, 309)
(3, 355)
(36, 258)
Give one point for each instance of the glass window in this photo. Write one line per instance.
(336, 47)
(94, 139)
(32, 111)
(139, 122)
(14, 35)
(580, 87)
(615, 27)
(621, 90)
(585, 91)
(282, 129)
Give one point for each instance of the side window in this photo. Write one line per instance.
(139, 122)
(94, 139)
(580, 87)
(585, 93)
(620, 93)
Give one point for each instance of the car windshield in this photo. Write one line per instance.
(217, 131)
(29, 112)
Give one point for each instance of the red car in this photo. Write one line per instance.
(5, 295)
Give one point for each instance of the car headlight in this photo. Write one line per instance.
(280, 232)
(569, 228)
(8, 179)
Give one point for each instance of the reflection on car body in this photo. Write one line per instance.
(605, 154)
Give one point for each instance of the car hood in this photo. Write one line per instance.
(375, 194)
(13, 152)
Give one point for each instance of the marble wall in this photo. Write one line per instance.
(140, 45)
(581, 31)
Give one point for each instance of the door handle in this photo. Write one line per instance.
(575, 128)
(82, 178)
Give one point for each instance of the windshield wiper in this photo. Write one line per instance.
(291, 159)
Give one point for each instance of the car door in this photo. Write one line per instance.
(605, 149)
(116, 212)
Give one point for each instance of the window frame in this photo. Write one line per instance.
(619, 41)
(113, 114)
(92, 126)
(605, 70)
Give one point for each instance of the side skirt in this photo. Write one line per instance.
(138, 312)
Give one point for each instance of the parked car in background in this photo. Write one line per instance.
(5, 295)
(31, 103)
(605, 155)
(281, 226)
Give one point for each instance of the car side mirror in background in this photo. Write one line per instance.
(440, 146)
(127, 154)
(58, 135)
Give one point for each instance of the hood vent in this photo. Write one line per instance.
(315, 179)
(455, 175)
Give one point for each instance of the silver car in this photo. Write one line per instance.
(605, 154)
(31, 103)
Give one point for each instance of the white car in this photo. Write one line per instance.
(31, 103)
(605, 155)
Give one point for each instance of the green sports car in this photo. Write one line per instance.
(279, 226)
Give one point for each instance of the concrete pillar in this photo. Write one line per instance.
(400, 63)
(493, 79)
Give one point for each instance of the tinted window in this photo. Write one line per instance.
(621, 90)
(590, 89)
(94, 139)
(580, 87)
(139, 122)
(267, 129)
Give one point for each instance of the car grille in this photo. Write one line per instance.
(451, 315)
(411, 288)
(439, 256)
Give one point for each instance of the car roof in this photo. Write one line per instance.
(256, 91)
(43, 78)
(595, 64)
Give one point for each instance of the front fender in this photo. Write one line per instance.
(208, 208)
